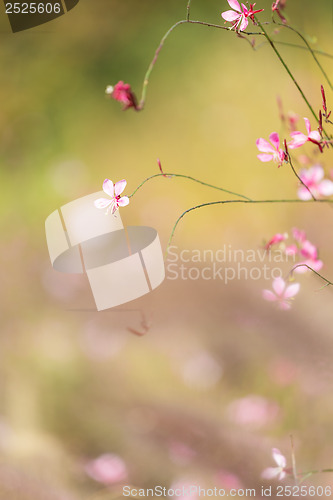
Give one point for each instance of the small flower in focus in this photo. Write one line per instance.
(122, 92)
(239, 16)
(280, 471)
(271, 151)
(298, 138)
(107, 469)
(313, 179)
(282, 293)
(114, 191)
(277, 238)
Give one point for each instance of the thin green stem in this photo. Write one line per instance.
(270, 41)
(191, 179)
(296, 46)
(309, 474)
(310, 49)
(300, 180)
(223, 202)
(159, 48)
(293, 459)
(188, 8)
(328, 282)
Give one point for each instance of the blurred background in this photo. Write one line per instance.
(219, 376)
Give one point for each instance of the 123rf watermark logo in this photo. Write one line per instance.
(225, 264)
(24, 15)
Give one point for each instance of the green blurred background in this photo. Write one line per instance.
(75, 383)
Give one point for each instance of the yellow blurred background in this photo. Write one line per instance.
(77, 384)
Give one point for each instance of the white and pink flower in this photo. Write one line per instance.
(298, 138)
(282, 294)
(239, 15)
(280, 471)
(271, 150)
(313, 178)
(114, 191)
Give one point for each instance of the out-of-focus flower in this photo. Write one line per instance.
(202, 371)
(277, 6)
(277, 238)
(309, 252)
(271, 151)
(298, 138)
(180, 453)
(122, 92)
(114, 191)
(185, 489)
(254, 411)
(107, 469)
(239, 15)
(313, 179)
(228, 480)
(282, 293)
(280, 471)
(292, 120)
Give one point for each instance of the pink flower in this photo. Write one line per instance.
(277, 238)
(122, 92)
(107, 469)
(271, 151)
(299, 138)
(114, 191)
(313, 179)
(253, 411)
(310, 253)
(239, 16)
(282, 293)
(280, 471)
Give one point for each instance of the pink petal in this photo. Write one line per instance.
(316, 173)
(283, 473)
(265, 157)
(244, 24)
(315, 264)
(315, 135)
(108, 187)
(277, 455)
(119, 187)
(102, 203)
(230, 15)
(122, 202)
(291, 291)
(291, 250)
(304, 194)
(264, 146)
(234, 5)
(307, 125)
(279, 286)
(325, 188)
(275, 140)
(244, 9)
(284, 305)
(268, 295)
(298, 140)
(270, 472)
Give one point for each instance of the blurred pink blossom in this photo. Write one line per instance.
(114, 191)
(228, 480)
(253, 410)
(283, 372)
(122, 92)
(280, 471)
(298, 138)
(271, 151)
(309, 252)
(185, 489)
(180, 453)
(239, 16)
(282, 293)
(107, 469)
(277, 238)
(313, 179)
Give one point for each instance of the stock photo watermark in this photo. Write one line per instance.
(225, 264)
